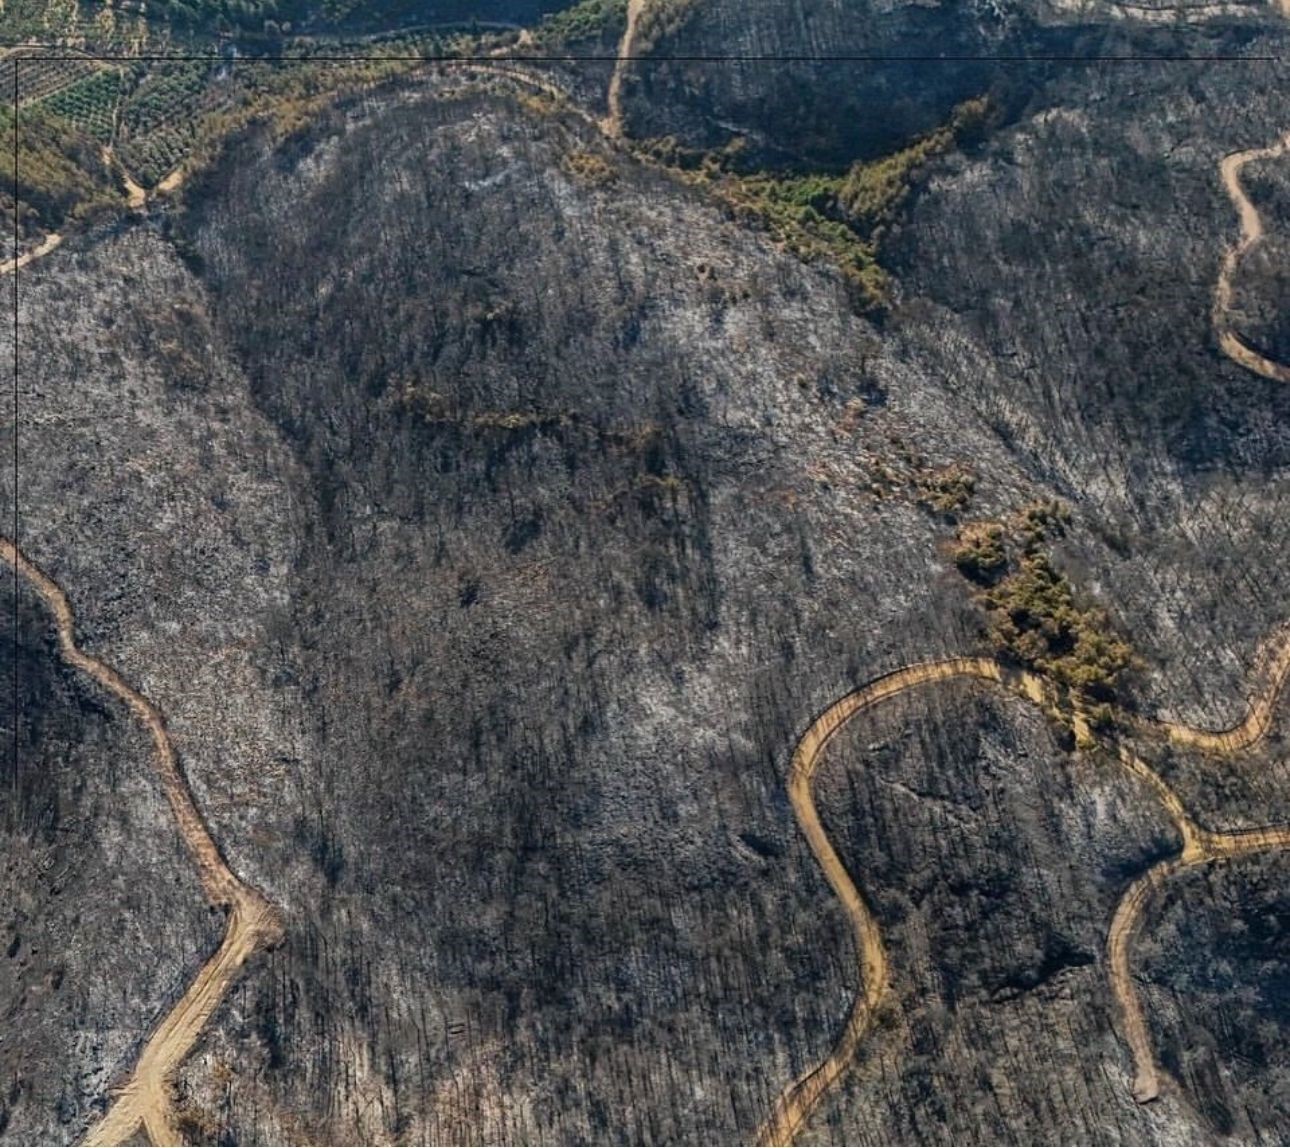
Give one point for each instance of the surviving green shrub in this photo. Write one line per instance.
(1036, 621)
(589, 19)
(979, 552)
(1037, 522)
(589, 167)
(947, 490)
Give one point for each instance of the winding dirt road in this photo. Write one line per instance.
(1233, 345)
(253, 922)
(1199, 845)
(1127, 921)
(1272, 666)
(800, 1098)
(613, 123)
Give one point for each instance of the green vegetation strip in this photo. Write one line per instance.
(840, 218)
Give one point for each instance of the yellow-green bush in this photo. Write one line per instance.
(979, 551)
(946, 490)
(1036, 621)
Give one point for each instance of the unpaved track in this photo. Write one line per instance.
(52, 240)
(613, 124)
(500, 69)
(800, 1098)
(1128, 919)
(1124, 925)
(252, 922)
(1199, 845)
(218, 881)
(1273, 668)
(1251, 233)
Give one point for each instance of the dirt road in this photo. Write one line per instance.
(1272, 668)
(613, 123)
(253, 923)
(800, 1098)
(1199, 845)
(52, 240)
(1251, 233)
(145, 1099)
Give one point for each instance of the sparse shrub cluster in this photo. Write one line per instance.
(1039, 522)
(590, 168)
(946, 490)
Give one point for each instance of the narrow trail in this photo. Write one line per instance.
(613, 122)
(252, 923)
(1272, 665)
(1233, 345)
